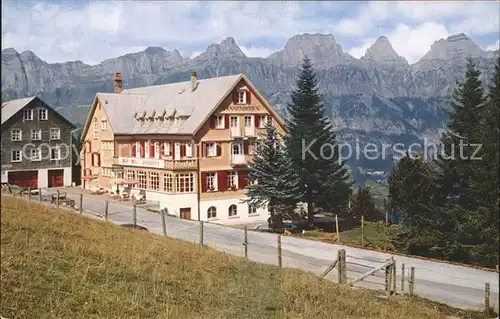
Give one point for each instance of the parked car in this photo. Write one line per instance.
(134, 226)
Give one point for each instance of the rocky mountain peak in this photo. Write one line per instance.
(382, 52)
(155, 50)
(226, 48)
(322, 49)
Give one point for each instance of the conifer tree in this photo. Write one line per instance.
(270, 180)
(313, 150)
(363, 204)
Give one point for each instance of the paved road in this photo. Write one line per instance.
(456, 286)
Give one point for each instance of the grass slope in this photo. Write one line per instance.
(56, 264)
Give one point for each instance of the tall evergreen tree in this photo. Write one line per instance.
(363, 204)
(270, 180)
(464, 130)
(312, 148)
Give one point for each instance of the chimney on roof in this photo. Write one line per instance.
(193, 81)
(118, 82)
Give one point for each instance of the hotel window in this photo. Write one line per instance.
(189, 150)
(167, 183)
(237, 149)
(211, 149)
(154, 181)
(15, 156)
(234, 121)
(55, 153)
(248, 121)
(36, 135)
(106, 171)
(219, 121)
(166, 148)
(137, 149)
(185, 183)
(233, 210)
(212, 212)
(211, 181)
(242, 97)
(43, 114)
(142, 179)
(107, 145)
(36, 155)
(262, 121)
(16, 135)
(157, 150)
(252, 209)
(146, 149)
(28, 115)
(232, 180)
(96, 129)
(131, 175)
(55, 133)
(104, 125)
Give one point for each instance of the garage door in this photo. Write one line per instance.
(56, 178)
(24, 178)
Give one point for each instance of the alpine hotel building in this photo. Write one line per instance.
(185, 145)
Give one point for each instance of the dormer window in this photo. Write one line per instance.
(242, 97)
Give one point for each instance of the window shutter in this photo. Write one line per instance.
(92, 159)
(203, 182)
(257, 120)
(219, 149)
(134, 149)
(242, 179)
(141, 147)
(172, 149)
(245, 147)
(248, 96)
(212, 122)
(151, 149)
(98, 159)
(222, 181)
(226, 121)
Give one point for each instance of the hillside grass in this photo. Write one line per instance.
(57, 264)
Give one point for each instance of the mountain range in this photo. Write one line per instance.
(379, 98)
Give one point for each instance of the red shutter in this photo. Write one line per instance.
(99, 160)
(183, 150)
(151, 149)
(245, 147)
(172, 149)
(242, 179)
(134, 150)
(142, 148)
(226, 121)
(222, 181)
(219, 149)
(257, 120)
(92, 159)
(203, 182)
(249, 97)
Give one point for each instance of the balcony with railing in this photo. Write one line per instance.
(170, 164)
(238, 159)
(236, 132)
(181, 164)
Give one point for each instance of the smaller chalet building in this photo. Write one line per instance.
(37, 149)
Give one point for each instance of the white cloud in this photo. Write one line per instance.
(254, 52)
(359, 51)
(493, 47)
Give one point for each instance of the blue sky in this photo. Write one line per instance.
(92, 31)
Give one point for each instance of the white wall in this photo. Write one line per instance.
(242, 216)
(43, 178)
(174, 202)
(68, 171)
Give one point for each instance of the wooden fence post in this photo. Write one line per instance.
(393, 276)
(412, 280)
(106, 210)
(40, 195)
(402, 278)
(487, 298)
(135, 215)
(342, 271)
(163, 222)
(388, 280)
(362, 231)
(280, 261)
(81, 204)
(337, 228)
(201, 232)
(57, 199)
(245, 243)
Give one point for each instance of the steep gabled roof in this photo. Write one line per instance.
(10, 108)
